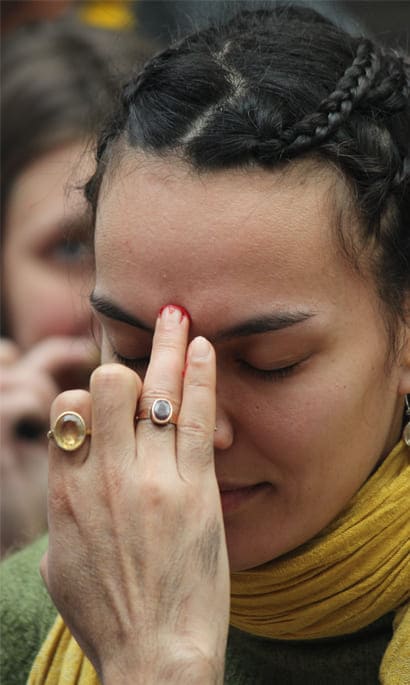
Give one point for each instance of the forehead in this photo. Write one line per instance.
(172, 234)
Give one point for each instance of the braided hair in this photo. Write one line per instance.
(275, 85)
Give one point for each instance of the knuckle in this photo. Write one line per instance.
(200, 378)
(200, 382)
(194, 430)
(111, 385)
(167, 343)
(198, 364)
(110, 375)
(152, 492)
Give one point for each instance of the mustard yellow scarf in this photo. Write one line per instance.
(354, 572)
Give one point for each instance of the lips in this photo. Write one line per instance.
(234, 497)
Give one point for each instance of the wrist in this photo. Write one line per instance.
(195, 672)
(179, 672)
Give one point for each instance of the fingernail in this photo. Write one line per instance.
(200, 348)
(174, 311)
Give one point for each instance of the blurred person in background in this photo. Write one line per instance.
(109, 14)
(57, 80)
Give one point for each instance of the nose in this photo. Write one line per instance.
(223, 435)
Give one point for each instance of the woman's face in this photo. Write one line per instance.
(45, 276)
(306, 405)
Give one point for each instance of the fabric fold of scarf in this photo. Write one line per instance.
(347, 577)
(355, 571)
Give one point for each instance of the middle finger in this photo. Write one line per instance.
(163, 379)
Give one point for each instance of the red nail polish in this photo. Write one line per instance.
(183, 311)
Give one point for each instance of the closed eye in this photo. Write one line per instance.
(140, 364)
(137, 364)
(267, 375)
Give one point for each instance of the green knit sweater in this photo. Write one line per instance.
(27, 613)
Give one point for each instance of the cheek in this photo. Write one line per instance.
(320, 430)
(285, 420)
(295, 427)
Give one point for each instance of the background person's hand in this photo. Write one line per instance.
(137, 562)
(28, 384)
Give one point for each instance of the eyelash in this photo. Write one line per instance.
(140, 364)
(269, 375)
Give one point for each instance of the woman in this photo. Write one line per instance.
(57, 80)
(253, 190)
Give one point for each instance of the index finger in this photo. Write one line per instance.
(163, 380)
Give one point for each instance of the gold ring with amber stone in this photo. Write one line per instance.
(69, 431)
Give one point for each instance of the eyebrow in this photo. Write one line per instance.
(264, 323)
(113, 311)
(259, 324)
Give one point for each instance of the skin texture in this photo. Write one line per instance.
(229, 247)
(143, 487)
(45, 282)
(290, 449)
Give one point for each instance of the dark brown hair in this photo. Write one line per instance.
(278, 84)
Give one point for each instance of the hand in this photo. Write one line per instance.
(137, 562)
(28, 384)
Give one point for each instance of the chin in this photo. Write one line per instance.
(243, 555)
(243, 560)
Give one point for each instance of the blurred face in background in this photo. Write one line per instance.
(47, 267)
(46, 262)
